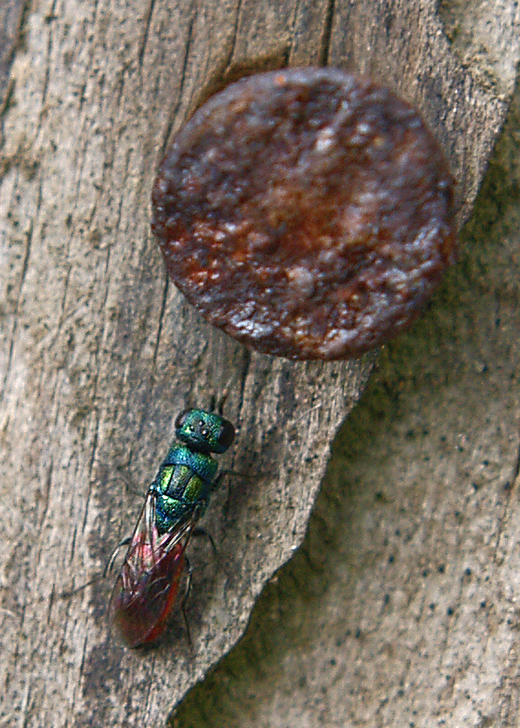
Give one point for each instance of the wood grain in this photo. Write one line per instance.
(98, 353)
(11, 12)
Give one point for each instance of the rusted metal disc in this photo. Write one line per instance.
(306, 212)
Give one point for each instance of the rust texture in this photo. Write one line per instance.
(306, 212)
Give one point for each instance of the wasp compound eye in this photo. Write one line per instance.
(306, 212)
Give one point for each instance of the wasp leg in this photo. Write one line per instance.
(128, 483)
(203, 532)
(108, 566)
(207, 534)
(189, 571)
(110, 562)
(218, 480)
(72, 592)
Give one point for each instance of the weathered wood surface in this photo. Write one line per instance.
(98, 353)
(401, 607)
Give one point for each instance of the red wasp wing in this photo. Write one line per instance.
(145, 590)
(138, 616)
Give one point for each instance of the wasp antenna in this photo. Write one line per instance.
(222, 400)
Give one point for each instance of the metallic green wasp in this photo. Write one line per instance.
(146, 588)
